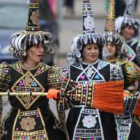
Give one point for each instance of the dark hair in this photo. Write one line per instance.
(127, 25)
(118, 50)
(133, 23)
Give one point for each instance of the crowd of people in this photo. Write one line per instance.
(100, 84)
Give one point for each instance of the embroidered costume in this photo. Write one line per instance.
(133, 50)
(132, 45)
(30, 116)
(83, 121)
(130, 74)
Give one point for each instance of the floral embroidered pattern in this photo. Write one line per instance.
(28, 123)
(89, 22)
(89, 121)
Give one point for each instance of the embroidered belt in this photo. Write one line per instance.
(29, 125)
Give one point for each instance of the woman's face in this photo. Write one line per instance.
(35, 53)
(128, 32)
(90, 53)
(111, 49)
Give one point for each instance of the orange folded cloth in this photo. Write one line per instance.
(109, 96)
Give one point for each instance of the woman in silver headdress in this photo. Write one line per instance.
(87, 69)
(129, 27)
(30, 116)
(114, 51)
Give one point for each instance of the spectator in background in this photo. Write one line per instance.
(70, 6)
(48, 23)
(136, 6)
(45, 10)
(120, 7)
(30, 116)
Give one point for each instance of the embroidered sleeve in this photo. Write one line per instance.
(132, 72)
(4, 83)
(4, 76)
(102, 96)
(115, 72)
(55, 77)
(82, 94)
(66, 71)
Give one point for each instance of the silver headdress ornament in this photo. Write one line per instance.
(88, 37)
(23, 40)
(128, 19)
(130, 9)
(110, 34)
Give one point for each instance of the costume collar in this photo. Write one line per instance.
(91, 63)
